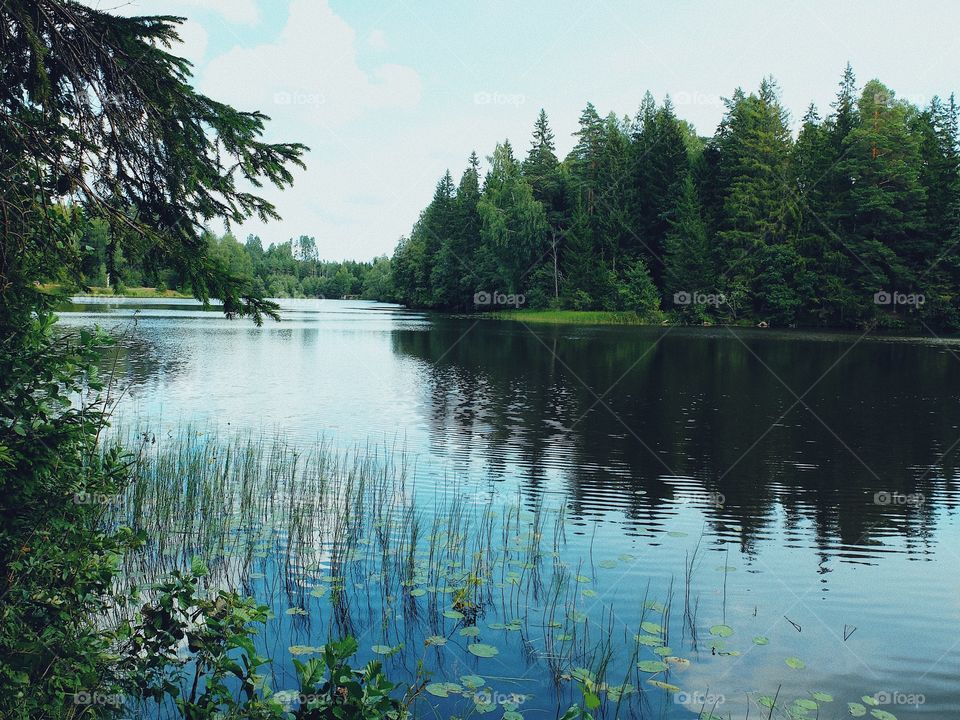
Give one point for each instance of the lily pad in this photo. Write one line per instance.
(805, 704)
(795, 663)
(437, 689)
(721, 630)
(296, 611)
(471, 631)
(663, 651)
(436, 640)
(651, 628)
(453, 614)
(870, 700)
(482, 650)
(822, 697)
(761, 640)
(304, 649)
(856, 709)
(765, 701)
(472, 682)
(652, 666)
(383, 650)
(648, 640)
(583, 579)
(678, 662)
(615, 692)
(883, 715)
(583, 674)
(418, 592)
(664, 686)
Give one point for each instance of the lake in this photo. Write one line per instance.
(790, 496)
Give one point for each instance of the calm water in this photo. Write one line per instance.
(817, 472)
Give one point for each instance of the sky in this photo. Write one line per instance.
(389, 94)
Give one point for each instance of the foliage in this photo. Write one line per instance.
(107, 155)
(790, 231)
(333, 689)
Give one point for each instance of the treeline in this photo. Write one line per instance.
(853, 222)
(289, 269)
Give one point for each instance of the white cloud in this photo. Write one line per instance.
(240, 12)
(193, 42)
(310, 73)
(377, 39)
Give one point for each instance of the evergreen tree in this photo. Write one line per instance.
(886, 222)
(758, 205)
(659, 164)
(688, 264)
(513, 224)
(547, 179)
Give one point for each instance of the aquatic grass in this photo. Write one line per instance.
(344, 543)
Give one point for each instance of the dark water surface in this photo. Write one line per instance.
(816, 471)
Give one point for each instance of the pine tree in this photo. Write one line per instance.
(547, 179)
(513, 224)
(882, 159)
(759, 206)
(659, 163)
(687, 250)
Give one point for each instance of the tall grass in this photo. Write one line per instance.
(345, 543)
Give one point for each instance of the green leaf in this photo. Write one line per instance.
(198, 567)
(795, 663)
(652, 666)
(721, 630)
(591, 700)
(856, 709)
(482, 650)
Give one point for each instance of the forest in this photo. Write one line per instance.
(852, 221)
(119, 261)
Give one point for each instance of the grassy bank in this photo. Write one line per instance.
(574, 317)
(135, 292)
(131, 292)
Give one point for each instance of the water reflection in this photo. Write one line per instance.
(854, 434)
(821, 466)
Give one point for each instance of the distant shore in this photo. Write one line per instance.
(574, 317)
(129, 292)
